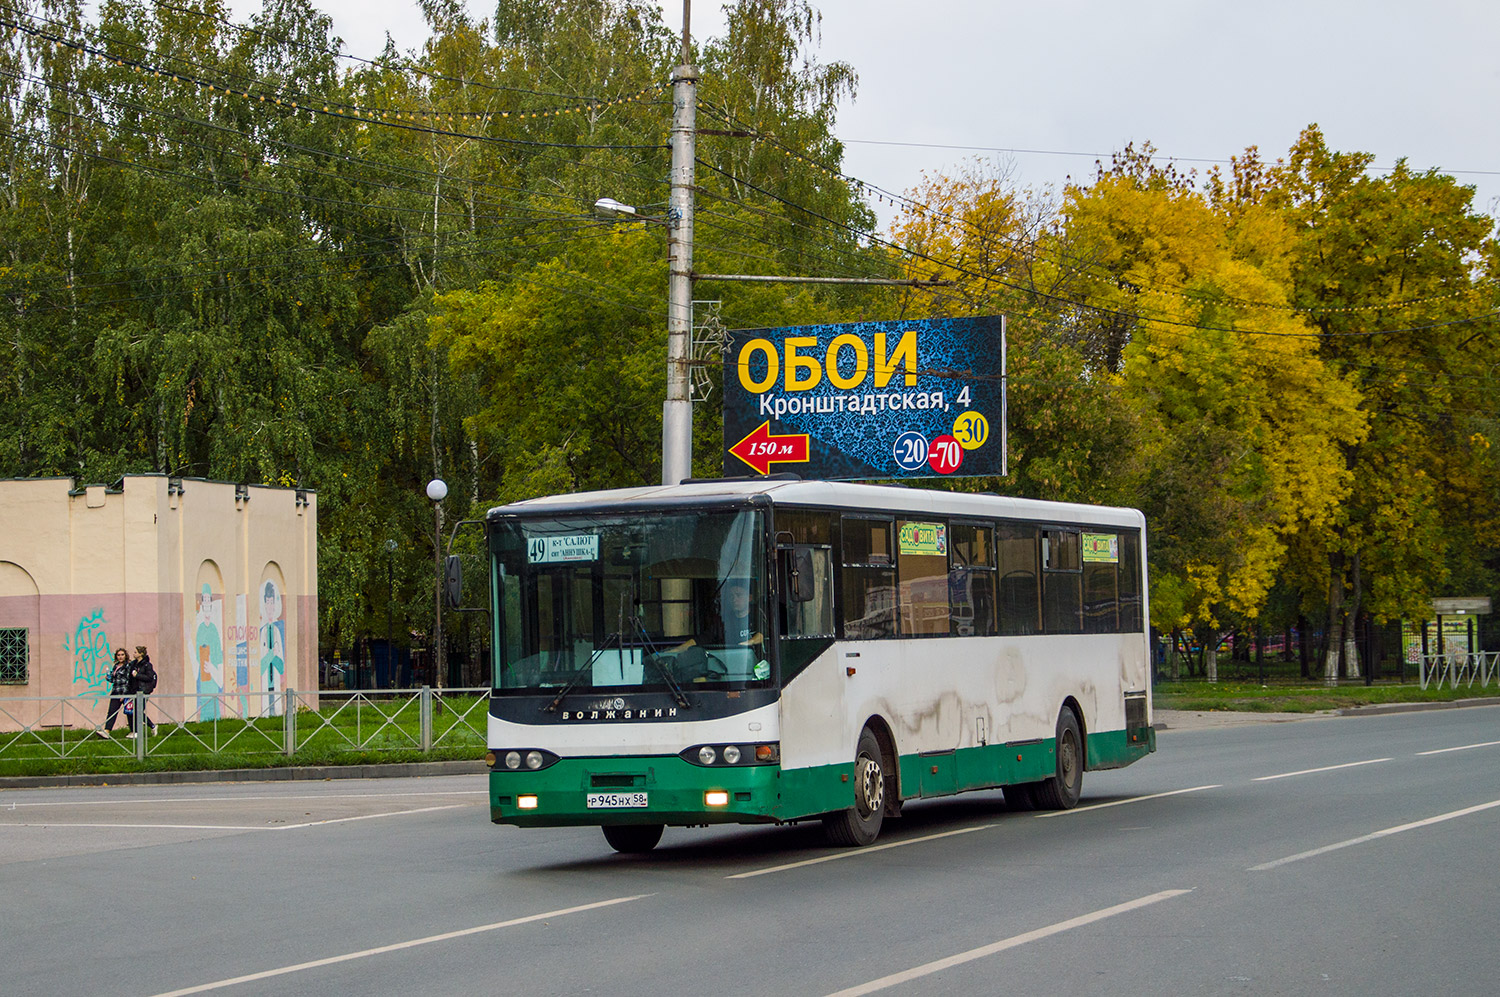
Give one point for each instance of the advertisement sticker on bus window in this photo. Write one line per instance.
(1101, 548)
(924, 538)
(556, 550)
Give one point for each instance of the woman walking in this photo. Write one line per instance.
(119, 688)
(142, 680)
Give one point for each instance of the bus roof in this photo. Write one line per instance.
(839, 494)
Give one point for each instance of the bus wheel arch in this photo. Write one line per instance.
(860, 823)
(1061, 790)
(890, 762)
(1083, 730)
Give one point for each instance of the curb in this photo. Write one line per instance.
(1377, 709)
(391, 770)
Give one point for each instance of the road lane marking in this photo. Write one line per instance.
(927, 969)
(345, 820)
(1325, 768)
(1462, 747)
(854, 852)
(163, 827)
(398, 946)
(133, 801)
(1427, 822)
(1133, 799)
(235, 827)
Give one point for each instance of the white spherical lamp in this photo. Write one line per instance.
(437, 489)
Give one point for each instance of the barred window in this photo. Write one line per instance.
(13, 655)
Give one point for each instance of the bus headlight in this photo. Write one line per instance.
(515, 759)
(718, 755)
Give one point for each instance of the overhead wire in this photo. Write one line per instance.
(921, 209)
(1101, 309)
(332, 109)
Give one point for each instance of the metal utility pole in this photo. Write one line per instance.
(677, 410)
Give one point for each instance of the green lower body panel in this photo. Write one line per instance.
(1113, 749)
(672, 790)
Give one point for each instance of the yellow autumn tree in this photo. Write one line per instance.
(1240, 422)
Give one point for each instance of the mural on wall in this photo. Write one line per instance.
(206, 645)
(272, 641)
(89, 648)
(241, 637)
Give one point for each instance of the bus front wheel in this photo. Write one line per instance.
(860, 824)
(1061, 792)
(632, 837)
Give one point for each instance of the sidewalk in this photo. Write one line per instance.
(1196, 720)
(1202, 720)
(388, 770)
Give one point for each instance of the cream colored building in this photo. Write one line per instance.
(219, 581)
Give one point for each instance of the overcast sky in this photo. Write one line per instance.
(1059, 83)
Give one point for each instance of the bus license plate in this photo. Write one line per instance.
(616, 801)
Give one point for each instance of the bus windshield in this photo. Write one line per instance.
(670, 600)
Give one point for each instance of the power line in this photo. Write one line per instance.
(1074, 303)
(921, 209)
(368, 116)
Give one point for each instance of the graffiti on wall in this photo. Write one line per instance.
(272, 641)
(88, 646)
(240, 636)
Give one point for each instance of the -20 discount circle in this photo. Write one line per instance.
(910, 451)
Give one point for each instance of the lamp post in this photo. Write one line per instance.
(437, 490)
(390, 604)
(677, 409)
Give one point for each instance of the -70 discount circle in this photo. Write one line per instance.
(945, 455)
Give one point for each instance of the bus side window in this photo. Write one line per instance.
(1130, 582)
(1100, 601)
(971, 581)
(807, 592)
(1062, 578)
(869, 596)
(1020, 595)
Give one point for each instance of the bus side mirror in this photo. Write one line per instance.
(453, 582)
(801, 585)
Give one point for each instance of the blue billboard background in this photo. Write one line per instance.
(908, 399)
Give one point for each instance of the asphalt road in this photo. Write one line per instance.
(1328, 856)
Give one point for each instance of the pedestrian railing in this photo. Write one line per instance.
(1460, 668)
(312, 725)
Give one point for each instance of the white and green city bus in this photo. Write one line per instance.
(768, 651)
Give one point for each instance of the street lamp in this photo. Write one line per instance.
(677, 409)
(437, 490)
(608, 207)
(390, 604)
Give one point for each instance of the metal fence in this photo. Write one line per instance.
(1456, 669)
(317, 723)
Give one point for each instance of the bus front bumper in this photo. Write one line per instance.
(657, 789)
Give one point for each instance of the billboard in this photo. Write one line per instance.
(908, 399)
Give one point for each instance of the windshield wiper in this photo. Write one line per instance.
(649, 650)
(586, 667)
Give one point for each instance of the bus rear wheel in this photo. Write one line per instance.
(1061, 792)
(633, 837)
(860, 824)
